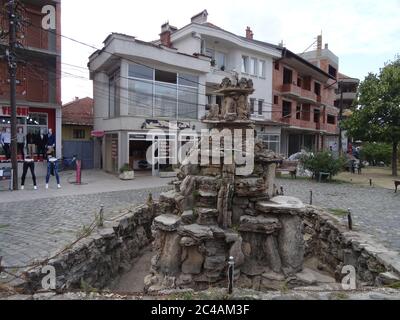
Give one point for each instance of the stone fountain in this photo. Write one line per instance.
(216, 211)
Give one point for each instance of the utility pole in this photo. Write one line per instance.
(340, 119)
(12, 70)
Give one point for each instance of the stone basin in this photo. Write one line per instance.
(281, 204)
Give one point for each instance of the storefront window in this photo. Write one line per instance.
(273, 142)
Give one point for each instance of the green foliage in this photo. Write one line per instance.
(125, 167)
(323, 162)
(377, 152)
(338, 212)
(377, 118)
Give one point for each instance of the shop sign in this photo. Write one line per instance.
(21, 111)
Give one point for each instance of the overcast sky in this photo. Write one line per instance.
(363, 33)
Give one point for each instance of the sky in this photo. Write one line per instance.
(364, 34)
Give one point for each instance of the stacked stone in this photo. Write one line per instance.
(214, 214)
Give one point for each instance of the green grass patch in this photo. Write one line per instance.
(338, 212)
(4, 226)
(395, 285)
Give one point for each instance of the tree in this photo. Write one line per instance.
(377, 118)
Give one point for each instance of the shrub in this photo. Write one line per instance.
(125, 168)
(376, 152)
(323, 162)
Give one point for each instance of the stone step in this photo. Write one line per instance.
(281, 204)
(259, 224)
(207, 216)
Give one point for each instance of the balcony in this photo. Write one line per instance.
(347, 96)
(291, 91)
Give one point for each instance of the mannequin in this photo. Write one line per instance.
(21, 140)
(41, 144)
(52, 169)
(51, 141)
(31, 143)
(29, 163)
(6, 142)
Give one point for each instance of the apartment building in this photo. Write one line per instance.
(38, 74)
(304, 98)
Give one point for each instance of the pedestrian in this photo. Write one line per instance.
(6, 142)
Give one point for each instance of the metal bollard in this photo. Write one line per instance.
(350, 220)
(370, 182)
(282, 192)
(231, 268)
(101, 216)
(311, 197)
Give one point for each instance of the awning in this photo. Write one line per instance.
(98, 134)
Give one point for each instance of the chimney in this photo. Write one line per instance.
(165, 35)
(249, 33)
(76, 98)
(326, 46)
(200, 18)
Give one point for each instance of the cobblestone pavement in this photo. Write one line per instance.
(35, 229)
(375, 210)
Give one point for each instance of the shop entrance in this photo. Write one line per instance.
(137, 156)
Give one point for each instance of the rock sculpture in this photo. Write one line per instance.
(214, 213)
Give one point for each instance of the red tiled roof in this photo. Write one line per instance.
(78, 112)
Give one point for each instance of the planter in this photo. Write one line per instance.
(168, 174)
(127, 175)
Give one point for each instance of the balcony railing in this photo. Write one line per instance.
(291, 90)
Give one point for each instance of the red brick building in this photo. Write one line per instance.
(39, 72)
(304, 97)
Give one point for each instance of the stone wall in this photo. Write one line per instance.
(100, 258)
(329, 239)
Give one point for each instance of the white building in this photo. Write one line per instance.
(139, 84)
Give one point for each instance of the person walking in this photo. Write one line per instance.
(6, 142)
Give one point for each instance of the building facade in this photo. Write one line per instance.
(142, 85)
(38, 73)
(77, 120)
(304, 96)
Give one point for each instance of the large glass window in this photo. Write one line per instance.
(140, 98)
(253, 66)
(220, 60)
(140, 71)
(160, 93)
(114, 95)
(165, 100)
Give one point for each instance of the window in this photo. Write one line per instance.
(287, 76)
(286, 109)
(276, 65)
(260, 107)
(141, 72)
(253, 66)
(114, 95)
(276, 100)
(245, 64)
(299, 82)
(332, 71)
(140, 98)
(298, 112)
(220, 60)
(306, 112)
(331, 119)
(273, 141)
(252, 105)
(317, 88)
(159, 93)
(261, 68)
(78, 134)
(317, 115)
(165, 76)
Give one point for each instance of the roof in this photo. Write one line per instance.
(286, 53)
(78, 112)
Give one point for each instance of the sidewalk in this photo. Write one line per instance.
(93, 182)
